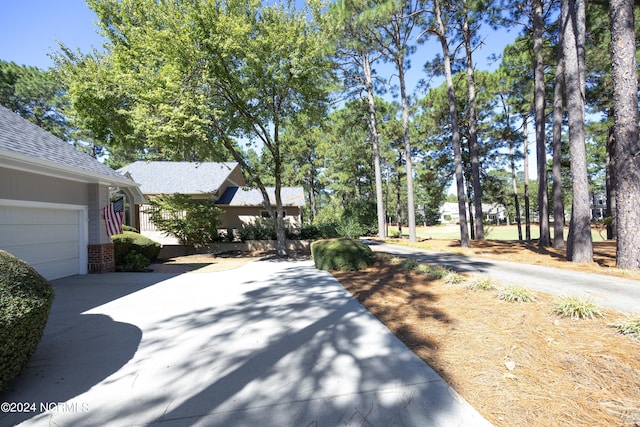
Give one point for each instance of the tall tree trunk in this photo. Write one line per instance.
(558, 200)
(470, 203)
(411, 208)
(527, 203)
(473, 133)
(281, 236)
(627, 151)
(610, 182)
(514, 185)
(373, 129)
(453, 116)
(399, 196)
(541, 151)
(581, 248)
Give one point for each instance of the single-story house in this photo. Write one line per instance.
(494, 212)
(52, 198)
(223, 182)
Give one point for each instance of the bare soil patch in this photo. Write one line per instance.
(516, 363)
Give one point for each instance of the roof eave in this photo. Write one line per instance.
(13, 160)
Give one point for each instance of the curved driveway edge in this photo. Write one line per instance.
(607, 291)
(273, 343)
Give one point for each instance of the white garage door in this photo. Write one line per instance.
(51, 238)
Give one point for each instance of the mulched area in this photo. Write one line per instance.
(516, 363)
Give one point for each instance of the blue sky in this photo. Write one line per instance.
(30, 29)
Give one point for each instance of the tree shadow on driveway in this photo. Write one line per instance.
(77, 350)
(269, 344)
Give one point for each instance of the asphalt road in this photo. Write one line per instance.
(606, 291)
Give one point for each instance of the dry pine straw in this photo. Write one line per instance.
(516, 363)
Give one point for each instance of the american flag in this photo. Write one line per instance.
(113, 217)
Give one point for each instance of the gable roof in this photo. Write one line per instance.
(180, 177)
(243, 196)
(25, 146)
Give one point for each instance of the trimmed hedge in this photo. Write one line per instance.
(25, 301)
(341, 254)
(133, 251)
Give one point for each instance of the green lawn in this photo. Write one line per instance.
(491, 232)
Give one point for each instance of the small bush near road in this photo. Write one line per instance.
(341, 254)
(133, 251)
(515, 293)
(410, 264)
(453, 278)
(25, 301)
(481, 283)
(576, 308)
(630, 325)
(433, 271)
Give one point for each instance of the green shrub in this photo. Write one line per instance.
(127, 242)
(194, 222)
(630, 325)
(129, 228)
(481, 283)
(135, 261)
(25, 301)
(410, 264)
(341, 254)
(309, 232)
(434, 271)
(260, 230)
(349, 228)
(514, 293)
(576, 308)
(453, 278)
(318, 231)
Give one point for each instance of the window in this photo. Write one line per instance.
(265, 214)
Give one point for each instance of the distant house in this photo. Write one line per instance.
(493, 212)
(598, 204)
(51, 201)
(223, 182)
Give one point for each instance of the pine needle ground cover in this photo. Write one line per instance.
(517, 363)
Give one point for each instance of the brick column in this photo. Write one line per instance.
(101, 258)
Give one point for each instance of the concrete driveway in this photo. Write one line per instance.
(272, 343)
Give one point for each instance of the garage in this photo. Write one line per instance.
(52, 199)
(52, 238)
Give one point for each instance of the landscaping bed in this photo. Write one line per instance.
(516, 363)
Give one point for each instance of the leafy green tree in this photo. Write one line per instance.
(393, 23)
(438, 25)
(348, 168)
(303, 164)
(191, 221)
(504, 130)
(356, 55)
(201, 76)
(36, 95)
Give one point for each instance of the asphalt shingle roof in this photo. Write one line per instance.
(22, 137)
(242, 196)
(179, 177)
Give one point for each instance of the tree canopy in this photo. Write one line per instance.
(258, 83)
